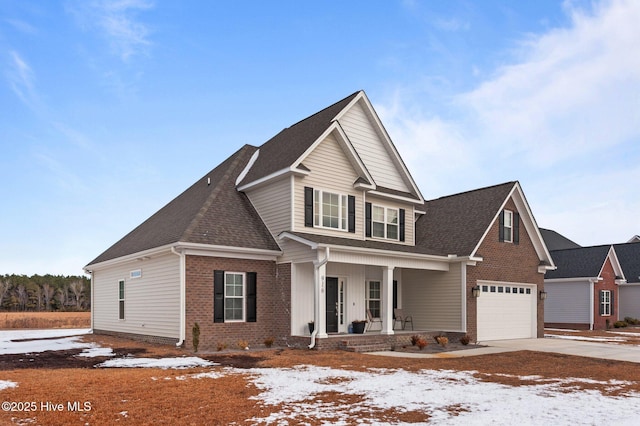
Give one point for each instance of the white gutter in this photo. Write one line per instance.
(316, 315)
(183, 296)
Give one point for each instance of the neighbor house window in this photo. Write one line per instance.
(373, 298)
(384, 222)
(234, 296)
(121, 299)
(605, 302)
(330, 210)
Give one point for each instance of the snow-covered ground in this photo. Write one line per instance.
(445, 396)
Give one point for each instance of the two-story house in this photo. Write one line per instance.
(322, 223)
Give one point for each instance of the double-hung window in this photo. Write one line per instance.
(384, 222)
(605, 302)
(508, 226)
(234, 293)
(330, 210)
(121, 299)
(373, 298)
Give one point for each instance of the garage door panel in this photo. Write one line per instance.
(506, 311)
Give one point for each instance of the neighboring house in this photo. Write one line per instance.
(634, 239)
(582, 293)
(629, 257)
(556, 241)
(321, 223)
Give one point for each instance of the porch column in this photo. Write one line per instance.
(386, 310)
(321, 300)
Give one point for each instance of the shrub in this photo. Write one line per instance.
(268, 342)
(620, 324)
(415, 338)
(631, 321)
(421, 342)
(442, 340)
(222, 346)
(465, 339)
(195, 331)
(243, 344)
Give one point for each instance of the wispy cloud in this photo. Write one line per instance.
(21, 79)
(117, 22)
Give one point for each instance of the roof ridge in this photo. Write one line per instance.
(513, 182)
(216, 190)
(321, 111)
(584, 247)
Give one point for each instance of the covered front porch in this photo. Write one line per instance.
(340, 285)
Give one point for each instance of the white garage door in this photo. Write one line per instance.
(506, 311)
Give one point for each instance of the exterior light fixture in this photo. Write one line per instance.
(475, 291)
(543, 294)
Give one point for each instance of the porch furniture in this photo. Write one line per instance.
(371, 320)
(399, 315)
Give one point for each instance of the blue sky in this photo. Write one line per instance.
(110, 109)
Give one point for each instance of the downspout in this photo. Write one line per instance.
(316, 315)
(183, 298)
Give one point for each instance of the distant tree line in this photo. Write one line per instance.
(45, 293)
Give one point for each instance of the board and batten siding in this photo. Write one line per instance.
(433, 299)
(372, 149)
(567, 303)
(152, 302)
(273, 204)
(330, 171)
(629, 301)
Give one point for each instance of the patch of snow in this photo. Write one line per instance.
(32, 341)
(568, 330)
(96, 351)
(626, 333)
(586, 339)
(164, 363)
(7, 384)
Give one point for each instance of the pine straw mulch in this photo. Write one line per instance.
(140, 396)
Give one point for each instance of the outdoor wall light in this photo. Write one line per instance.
(543, 294)
(475, 291)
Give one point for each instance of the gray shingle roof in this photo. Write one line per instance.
(282, 150)
(629, 258)
(578, 262)
(456, 223)
(205, 213)
(555, 241)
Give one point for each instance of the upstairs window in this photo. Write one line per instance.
(330, 210)
(509, 230)
(384, 222)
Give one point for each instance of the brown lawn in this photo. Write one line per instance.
(42, 320)
(153, 396)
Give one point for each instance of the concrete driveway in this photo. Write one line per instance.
(611, 351)
(630, 353)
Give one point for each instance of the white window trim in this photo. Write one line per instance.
(121, 299)
(244, 296)
(606, 303)
(368, 295)
(343, 210)
(509, 214)
(386, 222)
(136, 273)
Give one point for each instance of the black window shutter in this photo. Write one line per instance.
(367, 219)
(351, 212)
(516, 228)
(252, 288)
(218, 296)
(611, 300)
(401, 220)
(395, 296)
(501, 230)
(308, 206)
(601, 302)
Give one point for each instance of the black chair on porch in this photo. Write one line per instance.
(371, 320)
(404, 319)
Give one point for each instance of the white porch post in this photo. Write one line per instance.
(387, 300)
(321, 300)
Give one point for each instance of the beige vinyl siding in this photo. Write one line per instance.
(433, 299)
(330, 171)
(371, 148)
(273, 204)
(152, 302)
(568, 302)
